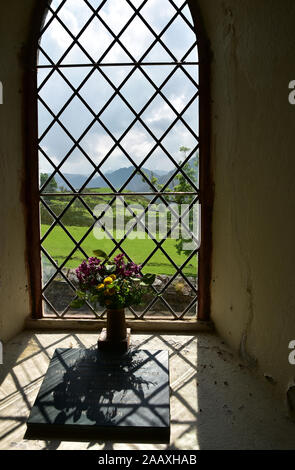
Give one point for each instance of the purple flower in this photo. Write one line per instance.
(131, 269)
(119, 260)
(88, 273)
(94, 261)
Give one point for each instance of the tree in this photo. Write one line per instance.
(51, 186)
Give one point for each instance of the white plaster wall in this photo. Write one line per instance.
(253, 130)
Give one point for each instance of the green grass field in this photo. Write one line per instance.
(59, 246)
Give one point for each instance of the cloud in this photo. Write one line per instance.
(97, 144)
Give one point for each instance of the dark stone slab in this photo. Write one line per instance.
(88, 394)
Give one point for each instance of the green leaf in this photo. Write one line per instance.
(77, 303)
(110, 286)
(148, 278)
(100, 253)
(93, 298)
(80, 294)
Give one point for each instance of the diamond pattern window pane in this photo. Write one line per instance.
(193, 56)
(97, 143)
(58, 245)
(76, 117)
(158, 54)
(45, 118)
(116, 74)
(75, 56)
(56, 143)
(172, 35)
(178, 136)
(118, 177)
(116, 14)
(55, 92)
(96, 91)
(158, 73)
(95, 39)
(191, 115)
(55, 4)
(137, 38)
(58, 296)
(159, 160)
(138, 142)
(151, 14)
(117, 117)
(55, 40)
(137, 90)
(136, 3)
(71, 169)
(117, 54)
(95, 3)
(171, 90)
(187, 14)
(74, 14)
(46, 218)
(75, 75)
(159, 116)
(118, 112)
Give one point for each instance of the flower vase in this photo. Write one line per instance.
(116, 325)
(115, 338)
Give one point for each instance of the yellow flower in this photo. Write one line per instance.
(108, 280)
(100, 286)
(113, 276)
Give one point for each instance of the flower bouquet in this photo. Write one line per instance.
(113, 284)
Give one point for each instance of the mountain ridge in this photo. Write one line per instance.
(117, 178)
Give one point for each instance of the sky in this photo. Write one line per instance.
(137, 90)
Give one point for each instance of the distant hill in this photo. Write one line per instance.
(117, 178)
(164, 178)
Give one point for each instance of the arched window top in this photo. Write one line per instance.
(111, 31)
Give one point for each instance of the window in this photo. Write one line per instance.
(118, 126)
